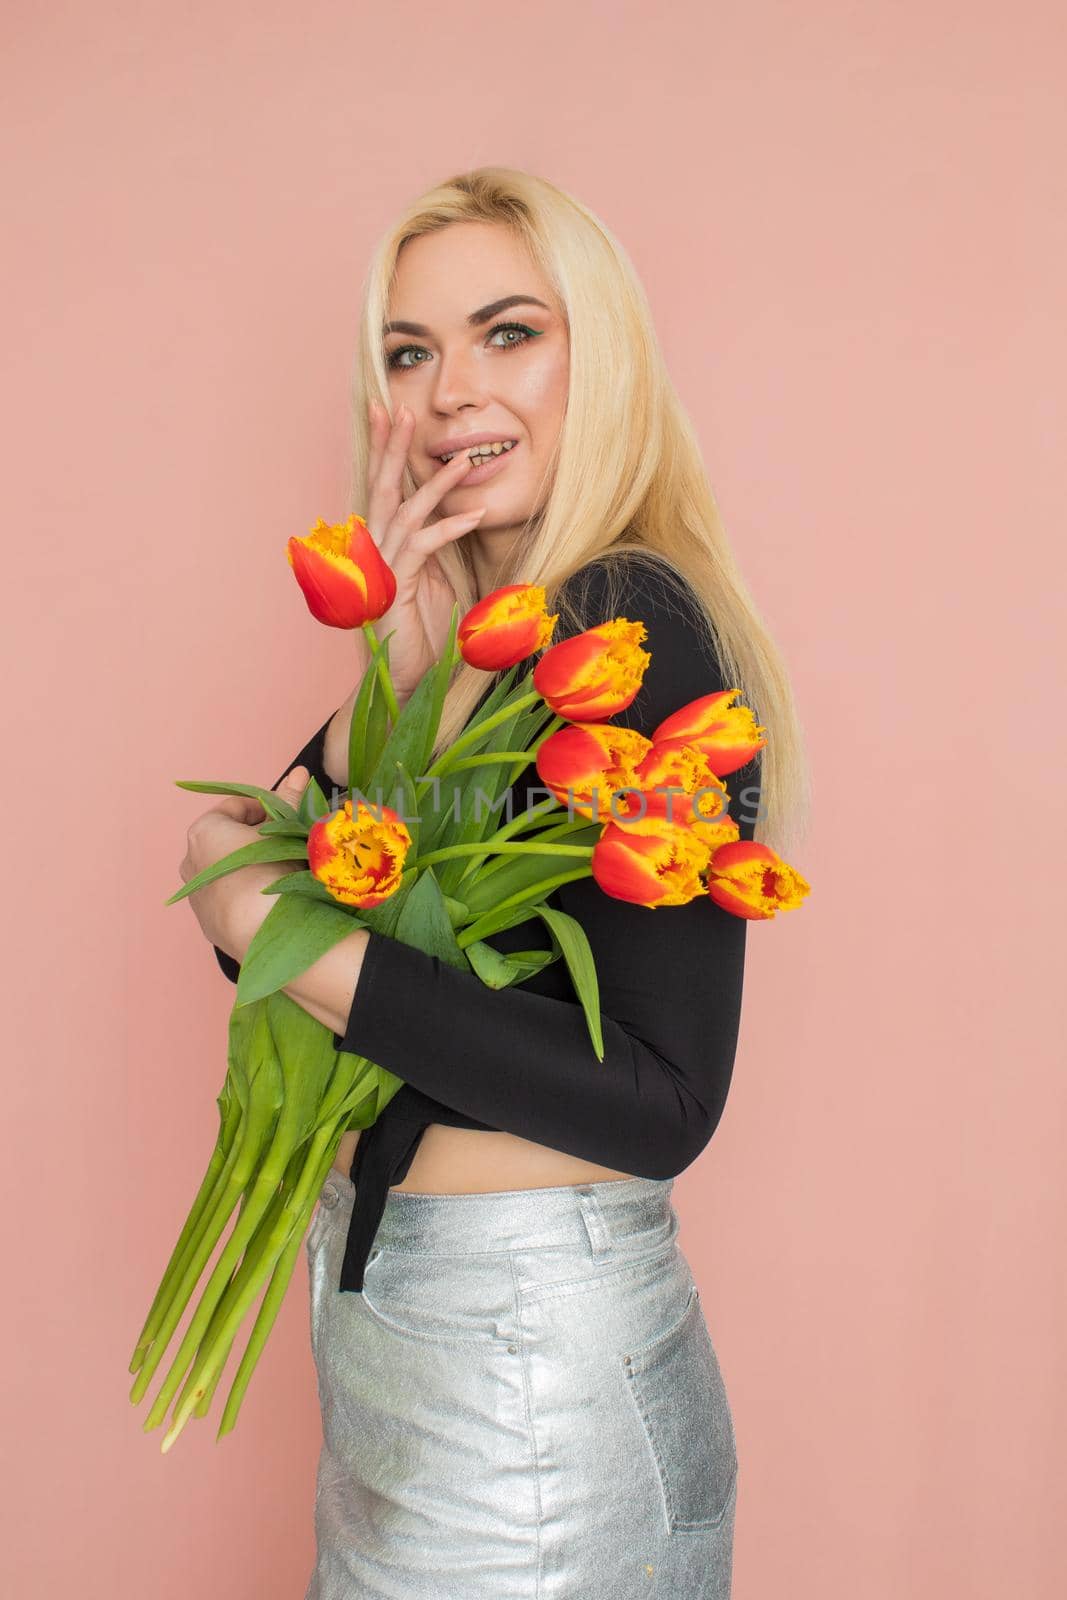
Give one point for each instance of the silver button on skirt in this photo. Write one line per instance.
(524, 1402)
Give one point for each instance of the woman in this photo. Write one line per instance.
(520, 1396)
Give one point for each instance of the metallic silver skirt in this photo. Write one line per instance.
(523, 1403)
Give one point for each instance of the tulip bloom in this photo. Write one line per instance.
(584, 764)
(650, 861)
(359, 857)
(339, 567)
(595, 674)
(697, 812)
(752, 881)
(506, 626)
(682, 766)
(728, 735)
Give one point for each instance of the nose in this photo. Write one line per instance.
(460, 380)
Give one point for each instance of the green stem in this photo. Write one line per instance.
(559, 831)
(525, 819)
(472, 735)
(271, 1301)
(251, 1260)
(245, 1287)
(262, 1188)
(383, 671)
(230, 1116)
(520, 847)
(491, 921)
(255, 1128)
(525, 756)
(549, 728)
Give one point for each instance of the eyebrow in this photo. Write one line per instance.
(476, 318)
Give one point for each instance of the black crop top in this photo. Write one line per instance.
(519, 1059)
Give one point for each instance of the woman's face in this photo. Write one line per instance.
(468, 366)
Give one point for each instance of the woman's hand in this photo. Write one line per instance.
(422, 609)
(231, 908)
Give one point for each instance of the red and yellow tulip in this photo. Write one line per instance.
(345, 580)
(679, 765)
(727, 734)
(751, 880)
(585, 763)
(595, 674)
(506, 626)
(650, 861)
(359, 857)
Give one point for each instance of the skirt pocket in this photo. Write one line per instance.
(678, 1390)
(451, 1301)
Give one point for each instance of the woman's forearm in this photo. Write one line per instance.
(326, 989)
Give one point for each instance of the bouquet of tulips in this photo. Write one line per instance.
(443, 878)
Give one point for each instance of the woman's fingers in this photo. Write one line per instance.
(423, 542)
(385, 488)
(380, 427)
(413, 511)
(241, 807)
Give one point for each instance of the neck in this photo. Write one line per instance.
(489, 548)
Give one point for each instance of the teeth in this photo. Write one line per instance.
(483, 451)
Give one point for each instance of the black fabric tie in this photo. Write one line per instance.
(383, 1155)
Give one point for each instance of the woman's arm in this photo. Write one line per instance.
(327, 747)
(311, 757)
(670, 986)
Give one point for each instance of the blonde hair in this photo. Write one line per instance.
(628, 474)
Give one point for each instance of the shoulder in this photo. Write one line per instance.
(630, 578)
(679, 637)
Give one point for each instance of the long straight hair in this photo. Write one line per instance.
(626, 474)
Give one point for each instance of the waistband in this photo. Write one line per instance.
(607, 1213)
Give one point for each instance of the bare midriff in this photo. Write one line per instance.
(473, 1161)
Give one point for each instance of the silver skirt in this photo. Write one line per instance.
(523, 1403)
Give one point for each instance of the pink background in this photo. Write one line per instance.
(850, 220)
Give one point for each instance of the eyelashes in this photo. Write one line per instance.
(393, 359)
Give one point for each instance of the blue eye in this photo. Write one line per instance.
(393, 360)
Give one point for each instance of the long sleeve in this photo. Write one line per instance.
(311, 756)
(670, 977)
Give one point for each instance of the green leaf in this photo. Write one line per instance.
(581, 966)
(439, 678)
(369, 722)
(300, 883)
(412, 739)
(497, 970)
(424, 923)
(273, 804)
(313, 804)
(248, 855)
(294, 934)
(496, 697)
(474, 793)
(284, 829)
(383, 918)
(530, 724)
(381, 1090)
(457, 910)
(408, 806)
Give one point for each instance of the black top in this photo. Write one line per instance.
(520, 1059)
